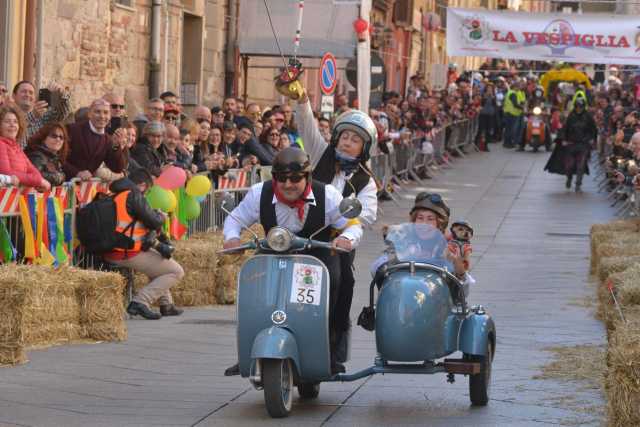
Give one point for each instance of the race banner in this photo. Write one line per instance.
(586, 38)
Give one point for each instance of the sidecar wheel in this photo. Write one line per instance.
(277, 380)
(479, 384)
(309, 390)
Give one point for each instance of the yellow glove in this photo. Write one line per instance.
(293, 90)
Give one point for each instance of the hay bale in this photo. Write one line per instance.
(47, 306)
(11, 346)
(601, 238)
(622, 384)
(615, 264)
(627, 285)
(632, 224)
(198, 257)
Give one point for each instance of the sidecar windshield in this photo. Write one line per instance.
(418, 243)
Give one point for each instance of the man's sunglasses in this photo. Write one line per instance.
(293, 177)
(117, 106)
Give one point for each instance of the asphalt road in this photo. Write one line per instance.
(531, 264)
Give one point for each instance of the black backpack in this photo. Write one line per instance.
(96, 226)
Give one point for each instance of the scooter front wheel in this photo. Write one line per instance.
(277, 380)
(309, 390)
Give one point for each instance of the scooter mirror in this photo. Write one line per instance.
(350, 207)
(228, 202)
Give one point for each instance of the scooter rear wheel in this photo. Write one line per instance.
(479, 384)
(277, 380)
(309, 390)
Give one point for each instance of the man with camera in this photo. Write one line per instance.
(151, 251)
(52, 105)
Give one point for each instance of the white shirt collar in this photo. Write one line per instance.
(311, 199)
(94, 130)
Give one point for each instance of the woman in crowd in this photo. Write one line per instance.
(146, 151)
(48, 150)
(13, 162)
(270, 140)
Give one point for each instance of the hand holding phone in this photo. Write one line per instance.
(44, 94)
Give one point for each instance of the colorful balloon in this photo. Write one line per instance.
(191, 208)
(198, 186)
(172, 202)
(159, 198)
(171, 178)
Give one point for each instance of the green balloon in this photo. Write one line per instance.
(159, 198)
(191, 208)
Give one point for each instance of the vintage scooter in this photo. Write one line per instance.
(537, 133)
(283, 315)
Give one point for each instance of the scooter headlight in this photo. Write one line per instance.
(537, 111)
(279, 239)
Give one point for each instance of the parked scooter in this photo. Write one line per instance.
(422, 315)
(537, 133)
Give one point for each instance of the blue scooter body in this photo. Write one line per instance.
(417, 319)
(270, 285)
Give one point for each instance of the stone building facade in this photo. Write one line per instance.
(98, 46)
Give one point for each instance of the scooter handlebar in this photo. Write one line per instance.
(313, 244)
(243, 247)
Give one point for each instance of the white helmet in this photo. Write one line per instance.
(360, 123)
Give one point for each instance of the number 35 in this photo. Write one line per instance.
(306, 296)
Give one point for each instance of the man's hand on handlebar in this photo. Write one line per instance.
(231, 244)
(341, 243)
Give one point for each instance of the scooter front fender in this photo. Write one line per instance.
(275, 343)
(476, 330)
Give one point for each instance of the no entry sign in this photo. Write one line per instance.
(328, 74)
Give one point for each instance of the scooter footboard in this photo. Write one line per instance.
(476, 330)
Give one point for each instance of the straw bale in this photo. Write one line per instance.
(46, 306)
(198, 257)
(602, 238)
(622, 384)
(627, 285)
(632, 224)
(615, 264)
(11, 346)
(227, 283)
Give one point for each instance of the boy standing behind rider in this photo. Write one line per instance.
(342, 162)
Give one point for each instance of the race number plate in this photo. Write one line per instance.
(306, 287)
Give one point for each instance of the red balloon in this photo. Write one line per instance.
(360, 25)
(171, 178)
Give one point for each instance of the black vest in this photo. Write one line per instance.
(315, 215)
(325, 171)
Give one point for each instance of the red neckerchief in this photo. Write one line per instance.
(296, 203)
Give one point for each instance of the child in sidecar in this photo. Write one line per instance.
(431, 209)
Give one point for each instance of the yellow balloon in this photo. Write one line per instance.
(172, 201)
(198, 186)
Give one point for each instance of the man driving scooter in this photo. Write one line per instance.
(342, 163)
(294, 201)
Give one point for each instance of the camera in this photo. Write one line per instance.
(158, 241)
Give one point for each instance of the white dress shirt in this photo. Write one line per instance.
(315, 145)
(248, 211)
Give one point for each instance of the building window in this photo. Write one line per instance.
(441, 9)
(127, 3)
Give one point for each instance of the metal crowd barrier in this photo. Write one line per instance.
(408, 160)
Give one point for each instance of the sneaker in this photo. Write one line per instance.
(170, 310)
(568, 183)
(138, 309)
(232, 371)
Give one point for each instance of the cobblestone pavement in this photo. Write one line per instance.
(531, 264)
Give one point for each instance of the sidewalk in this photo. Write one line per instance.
(531, 263)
